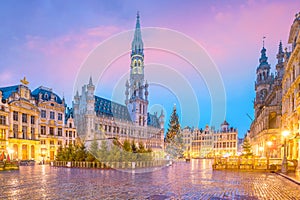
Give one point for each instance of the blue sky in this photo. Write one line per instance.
(47, 41)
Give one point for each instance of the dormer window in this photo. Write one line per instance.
(46, 96)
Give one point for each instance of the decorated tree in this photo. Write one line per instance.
(174, 141)
(174, 126)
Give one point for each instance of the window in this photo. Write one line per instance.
(66, 133)
(15, 116)
(51, 142)
(15, 130)
(59, 131)
(24, 132)
(24, 118)
(32, 120)
(43, 130)
(51, 130)
(32, 130)
(43, 114)
(70, 125)
(43, 141)
(59, 143)
(52, 115)
(70, 133)
(2, 120)
(59, 117)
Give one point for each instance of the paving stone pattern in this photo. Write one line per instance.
(194, 180)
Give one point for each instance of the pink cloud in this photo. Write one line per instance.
(61, 57)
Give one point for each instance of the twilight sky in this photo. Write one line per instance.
(48, 42)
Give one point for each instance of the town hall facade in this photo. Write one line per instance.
(102, 119)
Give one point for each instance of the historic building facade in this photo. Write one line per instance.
(31, 123)
(291, 92)
(102, 119)
(267, 105)
(225, 141)
(277, 107)
(209, 142)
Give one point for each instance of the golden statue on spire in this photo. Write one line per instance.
(24, 81)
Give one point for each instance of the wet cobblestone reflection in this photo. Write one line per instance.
(194, 180)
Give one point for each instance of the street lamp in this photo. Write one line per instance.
(10, 153)
(284, 167)
(269, 144)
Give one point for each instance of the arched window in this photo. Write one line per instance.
(15, 152)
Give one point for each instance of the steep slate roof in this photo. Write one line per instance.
(7, 91)
(111, 109)
(69, 113)
(46, 94)
(153, 121)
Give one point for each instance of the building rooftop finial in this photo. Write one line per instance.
(264, 37)
(91, 81)
(24, 81)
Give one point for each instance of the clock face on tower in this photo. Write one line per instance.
(137, 67)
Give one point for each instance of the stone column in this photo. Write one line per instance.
(295, 144)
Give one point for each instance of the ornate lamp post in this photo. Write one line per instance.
(284, 167)
(269, 144)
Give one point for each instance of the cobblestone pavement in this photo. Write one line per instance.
(194, 180)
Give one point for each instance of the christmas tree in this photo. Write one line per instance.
(247, 148)
(174, 126)
(174, 141)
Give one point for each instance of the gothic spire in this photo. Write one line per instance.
(90, 81)
(137, 45)
(280, 54)
(263, 60)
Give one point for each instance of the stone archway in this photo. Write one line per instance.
(24, 152)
